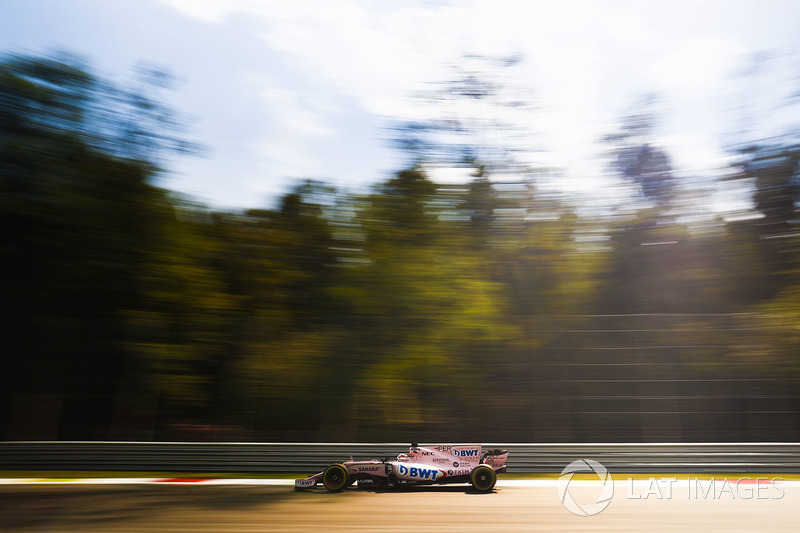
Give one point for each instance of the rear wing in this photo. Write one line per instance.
(495, 458)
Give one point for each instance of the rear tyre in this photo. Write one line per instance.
(483, 478)
(335, 477)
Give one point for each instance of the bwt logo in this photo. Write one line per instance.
(465, 453)
(416, 472)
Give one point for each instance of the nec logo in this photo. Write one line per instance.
(465, 453)
(416, 472)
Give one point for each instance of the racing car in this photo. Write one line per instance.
(423, 465)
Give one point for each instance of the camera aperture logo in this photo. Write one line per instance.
(588, 508)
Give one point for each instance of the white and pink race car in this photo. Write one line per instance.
(423, 465)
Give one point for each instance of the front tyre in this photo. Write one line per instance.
(335, 477)
(483, 478)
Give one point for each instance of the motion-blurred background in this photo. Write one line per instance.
(539, 224)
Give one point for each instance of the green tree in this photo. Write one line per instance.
(75, 215)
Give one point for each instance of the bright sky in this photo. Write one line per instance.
(280, 90)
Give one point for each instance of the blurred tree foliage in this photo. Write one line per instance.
(637, 159)
(487, 311)
(79, 221)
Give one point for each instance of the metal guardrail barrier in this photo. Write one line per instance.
(310, 458)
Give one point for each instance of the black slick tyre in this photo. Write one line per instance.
(483, 478)
(335, 477)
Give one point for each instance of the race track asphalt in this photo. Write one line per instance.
(258, 508)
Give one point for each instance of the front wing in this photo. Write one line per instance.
(308, 482)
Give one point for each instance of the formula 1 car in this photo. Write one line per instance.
(423, 465)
